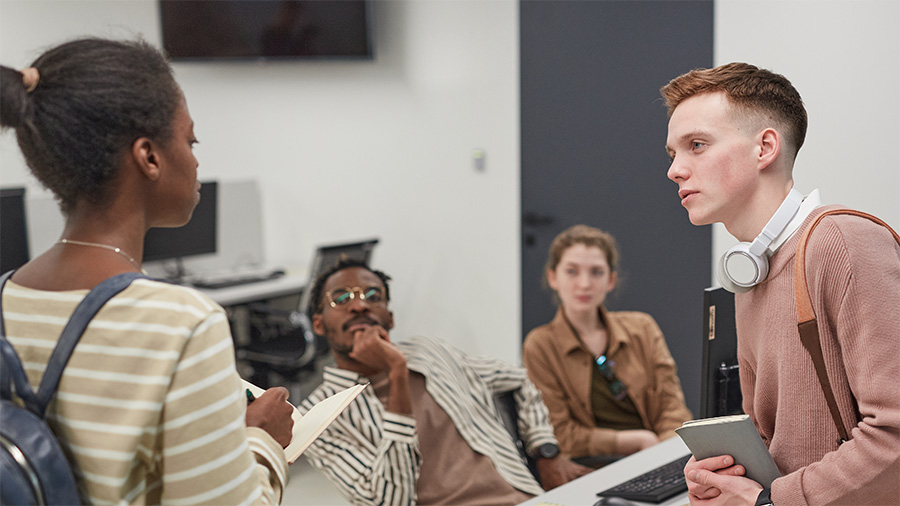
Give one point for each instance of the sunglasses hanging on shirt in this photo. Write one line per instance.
(615, 384)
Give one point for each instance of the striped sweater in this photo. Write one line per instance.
(372, 456)
(149, 408)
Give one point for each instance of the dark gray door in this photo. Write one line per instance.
(593, 136)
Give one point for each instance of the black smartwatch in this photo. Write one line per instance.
(763, 498)
(548, 451)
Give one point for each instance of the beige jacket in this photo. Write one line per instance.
(561, 367)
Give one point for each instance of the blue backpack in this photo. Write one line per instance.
(33, 467)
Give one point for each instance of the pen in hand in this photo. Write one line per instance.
(250, 396)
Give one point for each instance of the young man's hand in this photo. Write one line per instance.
(717, 481)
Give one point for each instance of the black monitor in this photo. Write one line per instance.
(198, 237)
(720, 387)
(267, 29)
(13, 232)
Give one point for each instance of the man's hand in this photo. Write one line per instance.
(559, 470)
(372, 347)
(716, 481)
(272, 413)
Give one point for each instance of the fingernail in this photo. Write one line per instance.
(728, 461)
(692, 475)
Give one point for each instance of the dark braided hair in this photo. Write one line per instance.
(316, 302)
(94, 98)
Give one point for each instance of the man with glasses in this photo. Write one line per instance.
(426, 430)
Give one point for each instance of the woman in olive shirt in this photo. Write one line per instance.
(607, 378)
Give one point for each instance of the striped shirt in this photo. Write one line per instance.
(150, 406)
(372, 456)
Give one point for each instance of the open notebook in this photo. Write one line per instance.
(308, 427)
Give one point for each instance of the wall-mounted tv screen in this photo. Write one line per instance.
(198, 237)
(266, 29)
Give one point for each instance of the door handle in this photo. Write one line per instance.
(537, 220)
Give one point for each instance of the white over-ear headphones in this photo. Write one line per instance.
(747, 264)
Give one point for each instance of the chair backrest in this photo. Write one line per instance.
(327, 256)
(508, 411)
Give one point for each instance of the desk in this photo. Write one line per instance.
(583, 491)
(236, 298)
(258, 291)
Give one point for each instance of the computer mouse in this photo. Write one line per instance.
(614, 501)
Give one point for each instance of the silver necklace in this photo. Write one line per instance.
(104, 246)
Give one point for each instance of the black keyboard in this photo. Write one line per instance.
(655, 485)
(237, 280)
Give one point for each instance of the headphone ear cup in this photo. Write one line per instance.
(739, 269)
(726, 282)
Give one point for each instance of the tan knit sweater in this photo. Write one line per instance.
(853, 272)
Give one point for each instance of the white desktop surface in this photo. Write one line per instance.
(583, 491)
(250, 292)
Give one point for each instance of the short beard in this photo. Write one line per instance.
(340, 349)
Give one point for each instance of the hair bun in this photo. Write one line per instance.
(30, 78)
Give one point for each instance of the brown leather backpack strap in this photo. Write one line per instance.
(806, 316)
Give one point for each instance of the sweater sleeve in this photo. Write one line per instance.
(209, 455)
(853, 274)
(369, 454)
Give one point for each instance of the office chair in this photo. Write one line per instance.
(282, 342)
(505, 402)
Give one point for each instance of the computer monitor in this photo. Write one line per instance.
(197, 237)
(13, 232)
(720, 388)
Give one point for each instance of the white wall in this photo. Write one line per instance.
(843, 56)
(349, 150)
